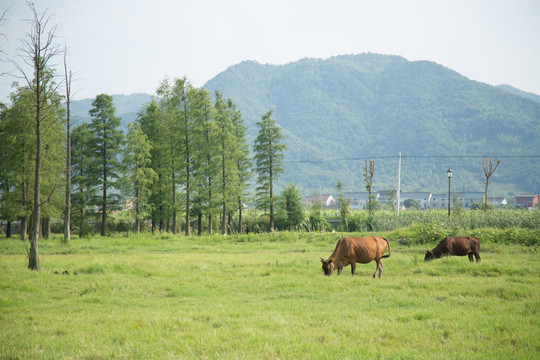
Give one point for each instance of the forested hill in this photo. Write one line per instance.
(337, 112)
(515, 91)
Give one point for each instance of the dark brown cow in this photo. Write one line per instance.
(352, 250)
(460, 246)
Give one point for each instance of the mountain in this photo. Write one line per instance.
(515, 91)
(335, 113)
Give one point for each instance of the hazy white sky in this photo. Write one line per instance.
(128, 46)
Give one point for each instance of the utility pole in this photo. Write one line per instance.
(398, 184)
(449, 174)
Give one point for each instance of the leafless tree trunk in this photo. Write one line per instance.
(46, 227)
(67, 209)
(240, 230)
(37, 50)
(271, 194)
(2, 20)
(137, 210)
(173, 193)
(188, 169)
(223, 189)
(369, 170)
(488, 171)
(104, 192)
(24, 219)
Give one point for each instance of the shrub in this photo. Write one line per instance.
(514, 235)
(428, 233)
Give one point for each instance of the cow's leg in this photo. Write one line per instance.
(377, 269)
(477, 256)
(353, 268)
(471, 257)
(380, 269)
(339, 270)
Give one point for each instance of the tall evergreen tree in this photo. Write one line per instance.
(140, 175)
(269, 155)
(176, 105)
(242, 160)
(152, 124)
(17, 156)
(206, 162)
(82, 191)
(53, 161)
(107, 140)
(227, 166)
(167, 142)
(17, 159)
(181, 89)
(293, 206)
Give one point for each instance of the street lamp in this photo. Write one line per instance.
(449, 174)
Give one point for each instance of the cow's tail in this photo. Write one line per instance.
(387, 256)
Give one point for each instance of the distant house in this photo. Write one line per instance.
(358, 200)
(440, 201)
(424, 198)
(497, 201)
(386, 195)
(326, 199)
(527, 201)
(470, 198)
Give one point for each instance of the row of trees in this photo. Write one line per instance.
(186, 155)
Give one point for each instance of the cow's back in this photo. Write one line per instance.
(361, 249)
(460, 245)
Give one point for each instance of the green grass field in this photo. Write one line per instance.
(263, 297)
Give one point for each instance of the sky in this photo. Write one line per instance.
(129, 46)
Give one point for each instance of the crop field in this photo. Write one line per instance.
(263, 297)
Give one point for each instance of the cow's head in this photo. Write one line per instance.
(429, 256)
(327, 266)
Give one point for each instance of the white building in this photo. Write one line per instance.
(358, 200)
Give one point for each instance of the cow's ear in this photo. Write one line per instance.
(322, 260)
(329, 261)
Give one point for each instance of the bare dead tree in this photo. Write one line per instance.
(3, 19)
(37, 50)
(369, 170)
(68, 76)
(488, 171)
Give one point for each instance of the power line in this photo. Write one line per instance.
(412, 157)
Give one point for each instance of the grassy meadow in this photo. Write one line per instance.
(264, 297)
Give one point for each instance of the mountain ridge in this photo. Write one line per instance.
(519, 92)
(337, 112)
(372, 96)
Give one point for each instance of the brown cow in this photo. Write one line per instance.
(352, 250)
(459, 246)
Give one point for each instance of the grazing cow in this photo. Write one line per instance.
(352, 250)
(460, 246)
